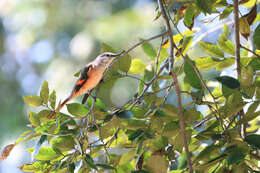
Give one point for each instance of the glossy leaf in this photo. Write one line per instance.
(125, 115)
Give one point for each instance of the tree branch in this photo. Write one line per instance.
(237, 54)
(177, 87)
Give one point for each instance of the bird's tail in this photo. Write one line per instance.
(52, 114)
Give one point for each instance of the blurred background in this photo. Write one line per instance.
(53, 39)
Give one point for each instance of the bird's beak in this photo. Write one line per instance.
(119, 54)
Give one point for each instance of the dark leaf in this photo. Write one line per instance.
(235, 157)
(189, 17)
(229, 81)
(125, 114)
(103, 166)
(253, 140)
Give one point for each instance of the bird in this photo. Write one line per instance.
(89, 78)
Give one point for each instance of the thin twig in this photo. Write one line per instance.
(250, 51)
(177, 87)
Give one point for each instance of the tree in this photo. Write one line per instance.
(148, 134)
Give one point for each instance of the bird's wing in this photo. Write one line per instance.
(82, 78)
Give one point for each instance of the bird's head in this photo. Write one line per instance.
(107, 57)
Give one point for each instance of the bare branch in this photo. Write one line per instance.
(177, 87)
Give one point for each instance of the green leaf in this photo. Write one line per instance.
(227, 62)
(77, 109)
(253, 140)
(123, 64)
(44, 93)
(256, 37)
(255, 64)
(211, 49)
(235, 157)
(159, 144)
(189, 17)
(206, 152)
(43, 115)
(157, 164)
(229, 81)
(206, 63)
(125, 115)
(90, 161)
(205, 5)
(34, 119)
(137, 66)
(63, 143)
(32, 100)
(227, 46)
(47, 153)
(226, 12)
(149, 50)
(183, 162)
(191, 76)
(244, 27)
(78, 73)
(103, 166)
(127, 157)
(171, 129)
(52, 99)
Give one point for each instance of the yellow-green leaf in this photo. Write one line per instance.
(44, 93)
(137, 66)
(32, 100)
(211, 49)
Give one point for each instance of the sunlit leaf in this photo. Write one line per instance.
(32, 100)
(137, 66)
(63, 143)
(211, 49)
(244, 27)
(46, 153)
(34, 119)
(52, 99)
(44, 93)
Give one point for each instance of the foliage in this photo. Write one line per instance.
(144, 134)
